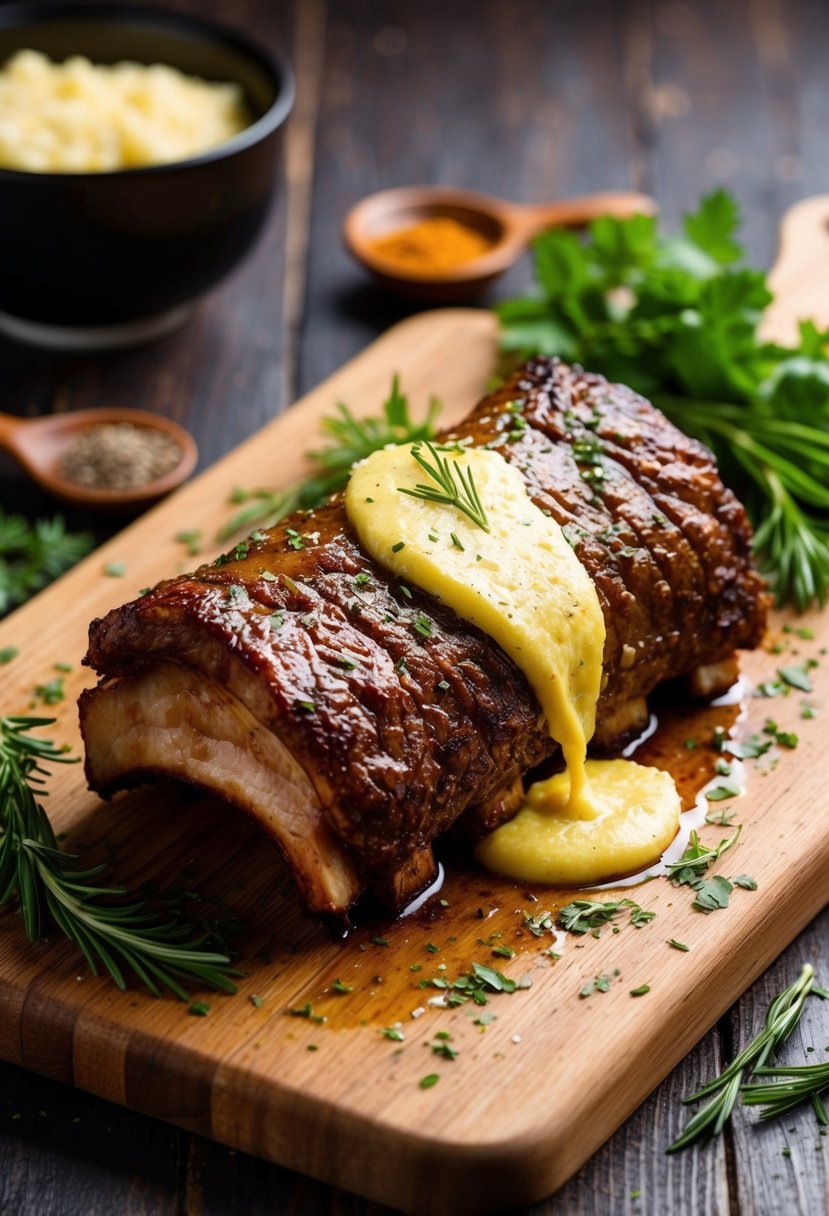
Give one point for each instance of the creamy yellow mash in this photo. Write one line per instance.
(521, 583)
(80, 117)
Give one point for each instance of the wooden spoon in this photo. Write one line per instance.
(508, 227)
(38, 444)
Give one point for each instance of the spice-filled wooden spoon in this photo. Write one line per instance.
(407, 237)
(103, 459)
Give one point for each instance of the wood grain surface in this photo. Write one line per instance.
(532, 100)
(339, 1100)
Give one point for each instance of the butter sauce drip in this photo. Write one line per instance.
(521, 583)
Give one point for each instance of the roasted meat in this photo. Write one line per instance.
(290, 676)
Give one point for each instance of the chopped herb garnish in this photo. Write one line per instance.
(456, 542)
(199, 1009)
(7, 654)
(795, 677)
(379, 941)
(294, 539)
(712, 893)
(678, 945)
(362, 579)
(392, 1032)
(308, 706)
(345, 661)
(115, 569)
(256, 1001)
(582, 915)
(725, 789)
(786, 738)
(641, 990)
(191, 539)
(339, 987)
(423, 625)
(601, 983)
(588, 916)
(697, 858)
(745, 881)
(503, 952)
(442, 1047)
(429, 1081)
(51, 692)
(750, 749)
(306, 1011)
(722, 818)
(539, 925)
(443, 685)
(401, 544)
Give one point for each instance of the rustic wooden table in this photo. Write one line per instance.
(531, 99)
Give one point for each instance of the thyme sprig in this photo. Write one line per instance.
(782, 1017)
(113, 931)
(454, 485)
(351, 439)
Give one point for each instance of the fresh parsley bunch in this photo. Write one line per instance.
(676, 318)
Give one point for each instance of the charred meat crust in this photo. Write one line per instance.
(401, 733)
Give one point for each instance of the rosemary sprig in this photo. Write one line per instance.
(121, 935)
(804, 1082)
(454, 486)
(352, 439)
(782, 1016)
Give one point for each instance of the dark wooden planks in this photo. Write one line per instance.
(781, 1166)
(525, 100)
(63, 1152)
(631, 1174)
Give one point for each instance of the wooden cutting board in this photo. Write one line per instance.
(529, 1096)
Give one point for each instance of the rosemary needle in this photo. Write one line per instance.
(454, 486)
(350, 439)
(124, 936)
(782, 1016)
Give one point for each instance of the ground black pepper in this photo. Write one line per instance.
(119, 456)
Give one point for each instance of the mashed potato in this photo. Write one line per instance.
(79, 117)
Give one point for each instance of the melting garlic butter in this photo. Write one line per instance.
(521, 583)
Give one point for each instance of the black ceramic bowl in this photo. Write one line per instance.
(120, 254)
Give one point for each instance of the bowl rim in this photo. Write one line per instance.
(32, 12)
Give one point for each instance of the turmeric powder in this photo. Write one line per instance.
(434, 245)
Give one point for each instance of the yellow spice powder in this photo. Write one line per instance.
(438, 243)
